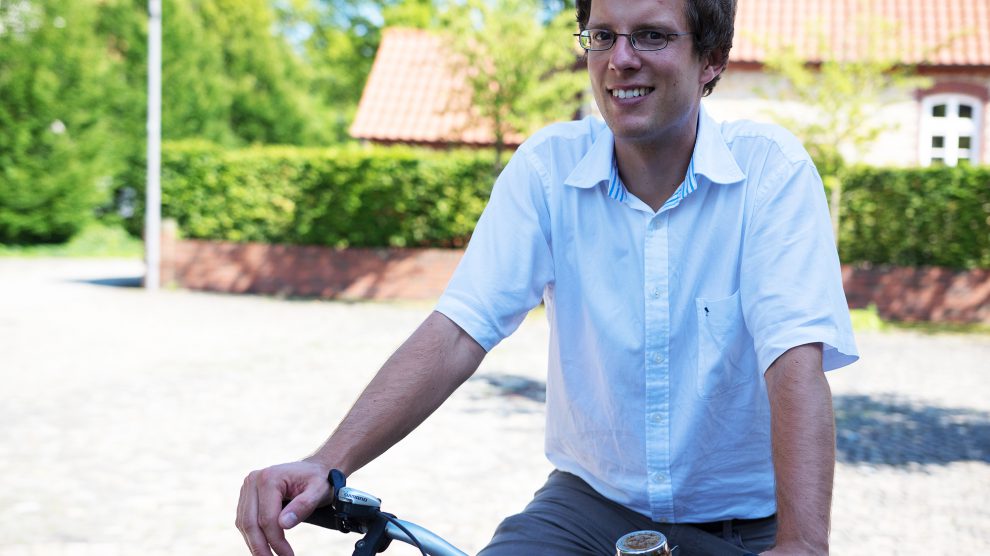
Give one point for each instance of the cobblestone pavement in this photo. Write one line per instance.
(128, 419)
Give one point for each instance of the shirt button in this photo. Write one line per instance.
(659, 477)
(657, 418)
(657, 358)
(656, 292)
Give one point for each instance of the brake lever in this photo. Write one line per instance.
(329, 516)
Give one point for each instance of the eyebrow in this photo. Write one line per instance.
(638, 27)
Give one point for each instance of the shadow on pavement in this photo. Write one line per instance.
(886, 430)
(122, 282)
(515, 386)
(874, 430)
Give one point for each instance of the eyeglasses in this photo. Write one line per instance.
(644, 39)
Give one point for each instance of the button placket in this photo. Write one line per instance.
(657, 379)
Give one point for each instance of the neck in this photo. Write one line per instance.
(652, 172)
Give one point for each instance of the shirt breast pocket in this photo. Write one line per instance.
(726, 356)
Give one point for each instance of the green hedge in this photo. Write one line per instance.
(918, 216)
(396, 196)
(367, 197)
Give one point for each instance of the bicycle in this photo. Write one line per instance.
(352, 510)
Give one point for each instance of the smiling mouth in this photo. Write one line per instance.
(631, 93)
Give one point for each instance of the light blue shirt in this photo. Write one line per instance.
(661, 323)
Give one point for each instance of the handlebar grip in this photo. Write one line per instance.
(324, 517)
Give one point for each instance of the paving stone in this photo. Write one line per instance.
(128, 420)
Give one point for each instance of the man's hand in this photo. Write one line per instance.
(419, 376)
(260, 516)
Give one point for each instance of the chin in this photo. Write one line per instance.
(631, 131)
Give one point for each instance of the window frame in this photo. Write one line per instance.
(951, 128)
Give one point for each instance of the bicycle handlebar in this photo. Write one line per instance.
(354, 511)
(432, 543)
(324, 517)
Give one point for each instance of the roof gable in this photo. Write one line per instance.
(413, 95)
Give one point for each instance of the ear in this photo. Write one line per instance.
(714, 64)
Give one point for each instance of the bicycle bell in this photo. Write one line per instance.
(642, 543)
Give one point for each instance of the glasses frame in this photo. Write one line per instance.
(586, 33)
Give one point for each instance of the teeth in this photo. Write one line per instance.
(630, 93)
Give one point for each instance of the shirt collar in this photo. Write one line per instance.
(711, 157)
(596, 166)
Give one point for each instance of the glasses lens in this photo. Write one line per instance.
(648, 39)
(584, 39)
(597, 39)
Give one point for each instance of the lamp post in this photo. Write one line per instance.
(153, 190)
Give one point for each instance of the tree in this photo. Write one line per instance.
(269, 84)
(58, 138)
(417, 14)
(229, 76)
(519, 64)
(841, 96)
(73, 78)
(337, 39)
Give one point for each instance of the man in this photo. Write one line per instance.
(693, 292)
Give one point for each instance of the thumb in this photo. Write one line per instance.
(299, 508)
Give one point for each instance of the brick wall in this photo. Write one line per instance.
(307, 270)
(920, 294)
(907, 294)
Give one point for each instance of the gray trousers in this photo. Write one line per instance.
(568, 517)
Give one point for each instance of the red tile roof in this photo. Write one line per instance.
(928, 32)
(412, 96)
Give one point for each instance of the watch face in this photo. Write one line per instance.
(642, 543)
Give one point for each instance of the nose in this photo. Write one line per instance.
(622, 55)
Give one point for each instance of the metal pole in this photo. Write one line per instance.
(153, 210)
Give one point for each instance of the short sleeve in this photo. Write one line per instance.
(791, 280)
(508, 261)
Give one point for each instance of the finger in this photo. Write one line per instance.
(247, 518)
(271, 491)
(303, 505)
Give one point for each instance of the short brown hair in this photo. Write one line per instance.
(711, 21)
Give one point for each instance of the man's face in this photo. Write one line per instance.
(672, 78)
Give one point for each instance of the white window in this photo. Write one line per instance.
(950, 129)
